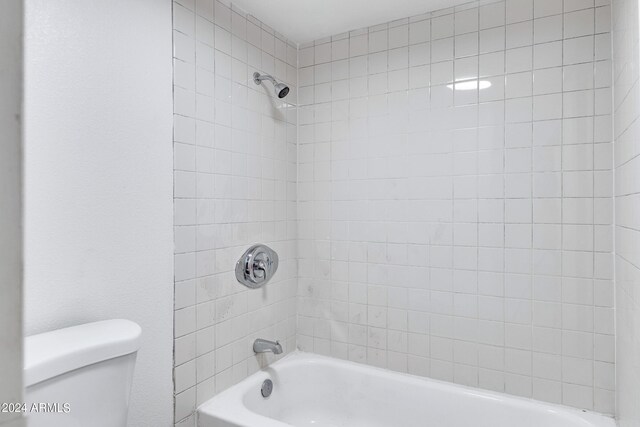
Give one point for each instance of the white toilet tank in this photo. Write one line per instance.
(81, 376)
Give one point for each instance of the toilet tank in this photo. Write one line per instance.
(81, 376)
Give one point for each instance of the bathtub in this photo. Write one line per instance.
(312, 390)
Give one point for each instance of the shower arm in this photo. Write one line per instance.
(258, 78)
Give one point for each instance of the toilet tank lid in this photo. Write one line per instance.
(50, 354)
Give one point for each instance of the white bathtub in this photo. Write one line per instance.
(311, 390)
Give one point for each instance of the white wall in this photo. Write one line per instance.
(464, 235)
(11, 13)
(627, 205)
(235, 175)
(98, 184)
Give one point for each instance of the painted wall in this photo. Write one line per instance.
(627, 205)
(235, 185)
(11, 51)
(461, 233)
(98, 181)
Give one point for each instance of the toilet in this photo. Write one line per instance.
(80, 376)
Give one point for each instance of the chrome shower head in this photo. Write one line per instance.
(281, 89)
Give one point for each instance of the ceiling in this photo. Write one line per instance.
(306, 20)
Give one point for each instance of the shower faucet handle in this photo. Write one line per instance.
(256, 266)
(259, 268)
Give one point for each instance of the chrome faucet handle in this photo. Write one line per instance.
(256, 266)
(259, 269)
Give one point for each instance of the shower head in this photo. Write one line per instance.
(281, 89)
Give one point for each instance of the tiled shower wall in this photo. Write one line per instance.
(235, 185)
(461, 233)
(627, 207)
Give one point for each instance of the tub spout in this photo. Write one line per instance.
(263, 346)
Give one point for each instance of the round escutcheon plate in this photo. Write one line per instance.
(267, 388)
